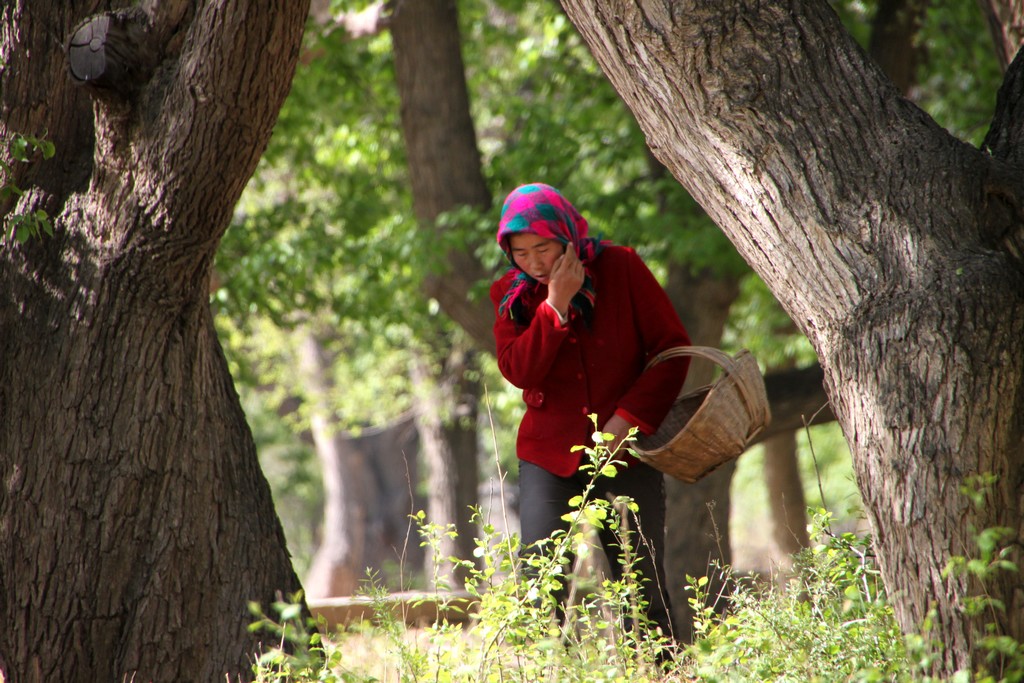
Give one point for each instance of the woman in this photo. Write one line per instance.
(577, 320)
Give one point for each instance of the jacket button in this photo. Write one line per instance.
(572, 340)
(586, 410)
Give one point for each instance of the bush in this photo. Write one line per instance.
(828, 621)
(517, 633)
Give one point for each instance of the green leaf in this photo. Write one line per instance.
(290, 612)
(19, 148)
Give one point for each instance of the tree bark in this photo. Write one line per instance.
(135, 522)
(893, 246)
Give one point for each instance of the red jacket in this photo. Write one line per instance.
(569, 372)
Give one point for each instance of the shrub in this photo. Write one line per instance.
(517, 633)
(828, 621)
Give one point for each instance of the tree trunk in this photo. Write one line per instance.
(444, 161)
(895, 248)
(445, 172)
(392, 452)
(446, 414)
(340, 560)
(385, 462)
(785, 495)
(135, 522)
(894, 45)
(391, 550)
(697, 515)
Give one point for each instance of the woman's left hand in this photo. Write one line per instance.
(618, 427)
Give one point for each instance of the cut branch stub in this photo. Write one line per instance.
(109, 52)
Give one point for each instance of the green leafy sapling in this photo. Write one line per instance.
(21, 149)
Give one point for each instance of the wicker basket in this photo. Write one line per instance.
(710, 426)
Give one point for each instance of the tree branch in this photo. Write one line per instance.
(797, 398)
(1005, 20)
(111, 53)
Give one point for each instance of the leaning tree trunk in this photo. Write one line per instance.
(135, 523)
(895, 248)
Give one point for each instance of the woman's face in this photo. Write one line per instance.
(535, 255)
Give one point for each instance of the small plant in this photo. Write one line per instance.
(517, 633)
(600, 634)
(21, 148)
(829, 622)
(1004, 656)
(300, 653)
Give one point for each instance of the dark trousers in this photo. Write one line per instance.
(544, 499)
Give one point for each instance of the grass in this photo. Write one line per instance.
(828, 619)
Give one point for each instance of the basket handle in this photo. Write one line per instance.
(712, 354)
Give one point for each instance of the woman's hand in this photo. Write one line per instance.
(618, 427)
(565, 280)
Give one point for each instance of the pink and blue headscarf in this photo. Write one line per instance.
(541, 210)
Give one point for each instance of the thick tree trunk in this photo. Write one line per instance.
(895, 248)
(135, 522)
(392, 453)
(368, 532)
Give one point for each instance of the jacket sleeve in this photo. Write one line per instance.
(526, 353)
(648, 400)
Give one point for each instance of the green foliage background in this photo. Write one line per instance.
(324, 239)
